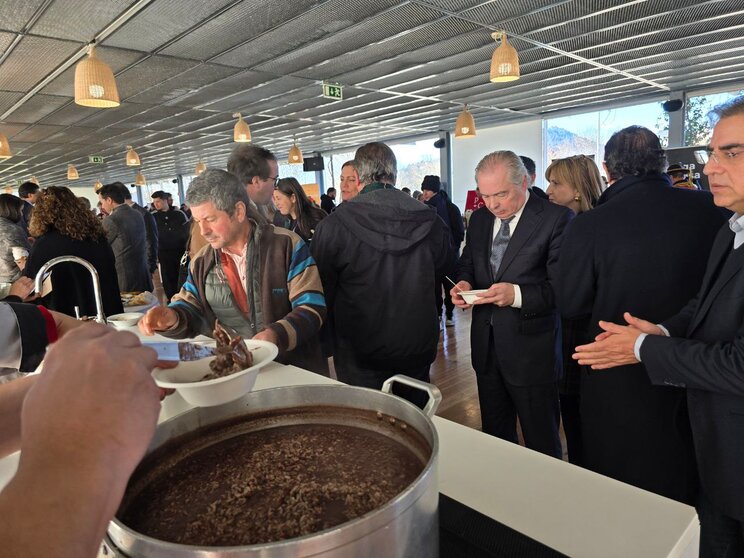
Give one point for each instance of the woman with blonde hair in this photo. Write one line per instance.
(63, 227)
(574, 182)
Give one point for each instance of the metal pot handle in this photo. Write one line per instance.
(435, 396)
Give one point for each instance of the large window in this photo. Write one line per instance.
(698, 121)
(586, 134)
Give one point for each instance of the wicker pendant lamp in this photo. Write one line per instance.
(295, 155)
(200, 167)
(72, 173)
(465, 125)
(34, 180)
(95, 85)
(97, 186)
(5, 152)
(133, 160)
(139, 180)
(505, 60)
(241, 132)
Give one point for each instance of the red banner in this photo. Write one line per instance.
(473, 201)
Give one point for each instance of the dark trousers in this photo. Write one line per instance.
(170, 260)
(721, 536)
(350, 370)
(536, 406)
(440, 284)
(570, 405)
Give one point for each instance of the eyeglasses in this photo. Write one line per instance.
(275, 179)
(726, 155)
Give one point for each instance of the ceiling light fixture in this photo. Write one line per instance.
(241, 132)
(34, 180)
(505, 60)
(295, 154)
(139, 180)
(465, 125)
(133, 160)
(200, 167)
(95, 85)
(72, 173)
(97, 186)
(5, 152)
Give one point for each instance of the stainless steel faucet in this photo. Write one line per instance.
(101, 317)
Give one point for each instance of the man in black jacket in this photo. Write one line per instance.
(435, 197)
(150, 226)
(378, 255)
(642, 249)
(512, 251)
(173, 234)
(327, 202)
(701, 348)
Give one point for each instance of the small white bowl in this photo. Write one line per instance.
(185, 377)
(127, 319)
(470, 296)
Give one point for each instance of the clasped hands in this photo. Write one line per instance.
(615, 345)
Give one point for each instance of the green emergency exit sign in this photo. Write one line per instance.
(331, 91)
(95, 159)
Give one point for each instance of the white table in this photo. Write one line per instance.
(567, 508)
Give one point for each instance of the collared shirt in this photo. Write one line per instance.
(736, 224)
(512, 227)
(240, 263)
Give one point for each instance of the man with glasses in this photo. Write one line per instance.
(702, 349)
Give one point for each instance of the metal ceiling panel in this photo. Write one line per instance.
(184, 117)
(274, 88)
(242, 22)
(190, 81)
(116, 58)
(39, 132)
(73, 134)
(171, 18)
(38, 107)
(31, 60)
(150, 72)
(222, 89)
(15, 14)
(68, 114)
(149, 115)
(8, 99)
(79, 20)
(335, 30)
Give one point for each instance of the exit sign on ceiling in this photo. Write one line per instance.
(331, 91)
(95, 159)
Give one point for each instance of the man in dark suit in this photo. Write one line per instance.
(126, 233)
(512, 250)
(643, 249)
(701, 348)
(150, 227)
(28, 192)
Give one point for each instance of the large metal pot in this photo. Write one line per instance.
(404, 527)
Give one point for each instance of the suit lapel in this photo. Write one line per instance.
(489, 229)
(527, 225)
(722, 271)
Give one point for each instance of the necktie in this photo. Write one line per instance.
(500, 242)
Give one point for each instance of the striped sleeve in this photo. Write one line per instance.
(306, 296)
(187, 304)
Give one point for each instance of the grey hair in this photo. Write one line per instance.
(375, 162)
(735, 107)
(517, 170)
(220, 187)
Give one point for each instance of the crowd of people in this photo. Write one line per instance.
(612, 309)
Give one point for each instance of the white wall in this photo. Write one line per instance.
(524, 138)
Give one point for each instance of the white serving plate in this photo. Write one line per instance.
(152, 300)
(184, 378)
(127, 319)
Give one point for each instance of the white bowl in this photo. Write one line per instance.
(127, 319)
(470, 296)
(185, 377)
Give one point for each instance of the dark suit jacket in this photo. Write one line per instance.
(126, 233)
(641, 250)
(523, 338)
(706, 354)
(152, 237)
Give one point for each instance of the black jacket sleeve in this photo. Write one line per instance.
(32, 328)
